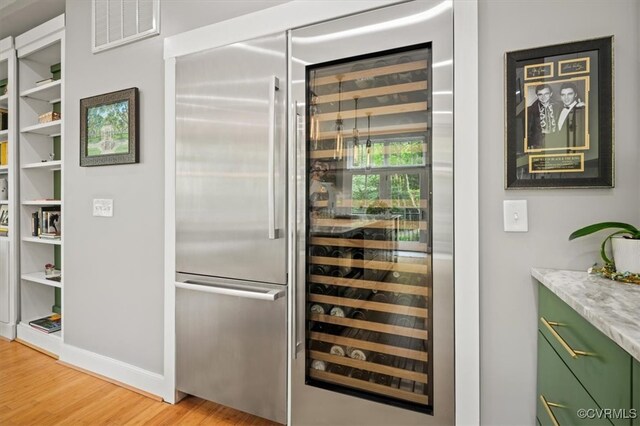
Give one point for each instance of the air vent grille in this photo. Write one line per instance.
(117, 22)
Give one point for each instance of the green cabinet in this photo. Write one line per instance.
(560, 394)
(635, 392)
(593, 365)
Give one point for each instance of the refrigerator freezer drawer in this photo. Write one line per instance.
(231, 346)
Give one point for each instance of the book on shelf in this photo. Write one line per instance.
(44, 81)
(4, 217)
(47, 223)
(4, 153)
(48, 324)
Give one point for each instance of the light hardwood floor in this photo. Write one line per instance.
(37, 390)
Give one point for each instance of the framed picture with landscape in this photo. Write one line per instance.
(109, 129)
(559, 116)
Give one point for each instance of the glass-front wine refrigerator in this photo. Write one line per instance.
(375, 216)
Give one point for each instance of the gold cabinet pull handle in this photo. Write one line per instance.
(573, 352)
(547, 406)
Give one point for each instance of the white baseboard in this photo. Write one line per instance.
(127, 374)
(8, 331)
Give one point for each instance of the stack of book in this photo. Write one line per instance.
(48, 324)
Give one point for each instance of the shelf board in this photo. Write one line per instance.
(414, 333)
(42, 240)
(45, 92)
(371, 73)
(51, 128)
(50, 343)
(374, 111)
(370, 223)
(370, 387)
(371, 285)
(4, 133)
(365, 304)
(4, 202)
(42, 203)
(376, 347)
(382, 131)
(376, 91)
(40, 278)
(3, 238)
(370, 366)
(44, 165)
(4, 101)
(392, 203)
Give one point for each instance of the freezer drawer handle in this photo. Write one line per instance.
(249, 294)
(274, 85)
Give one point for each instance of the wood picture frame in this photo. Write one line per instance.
(109, 129)
(559, 116)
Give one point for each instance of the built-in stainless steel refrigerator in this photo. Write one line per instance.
(371, 134)
(231, 249)
(321, 158)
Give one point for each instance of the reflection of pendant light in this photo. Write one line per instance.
(368, 140)
(313, 110)
(337, 153)
(356, 138)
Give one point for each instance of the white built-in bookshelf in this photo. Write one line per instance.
(8, 203)
(41, 171)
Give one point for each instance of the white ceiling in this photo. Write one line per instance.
(18, 16)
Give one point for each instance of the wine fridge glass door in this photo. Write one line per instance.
(375, 269)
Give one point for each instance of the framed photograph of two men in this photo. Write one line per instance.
(559, 116)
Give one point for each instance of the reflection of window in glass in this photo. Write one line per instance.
(389, 153)
(365, 189)
(405, 200)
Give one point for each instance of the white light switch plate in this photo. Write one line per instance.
(515, 216)
(102, 207)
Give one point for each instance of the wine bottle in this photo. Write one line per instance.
(362, 354)
(325, 290)
(359, 374)
(379, 316)
(320, 251)
(340, 369)
(383, 359)
(340, 350)
(350, 293)
(319, 269)
(317, 364)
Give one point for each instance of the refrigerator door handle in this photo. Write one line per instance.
(297, 344)
(205, 287)
(274, 85)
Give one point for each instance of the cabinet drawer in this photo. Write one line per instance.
(557, 385)
(604, 370)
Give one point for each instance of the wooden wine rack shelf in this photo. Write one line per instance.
(374, 112)
(370, 366)
(370, 73)
(373, 326)
(400, 204)
(376, 91)
(368, 386)
(385, 130)
(387, 150)
(368, 305)
(371, 346)
(369, 244)
(415, 268)
(378, 224)
(371, 285)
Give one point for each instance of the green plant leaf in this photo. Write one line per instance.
(587, 230)
(603, 253)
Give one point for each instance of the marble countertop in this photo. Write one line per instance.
(610, 306)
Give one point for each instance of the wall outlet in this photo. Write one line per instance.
(102, 207)
(515, 216)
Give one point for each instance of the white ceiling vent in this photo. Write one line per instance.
(117, 22)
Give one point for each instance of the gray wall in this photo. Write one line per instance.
(114, 295)
(508, 299)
